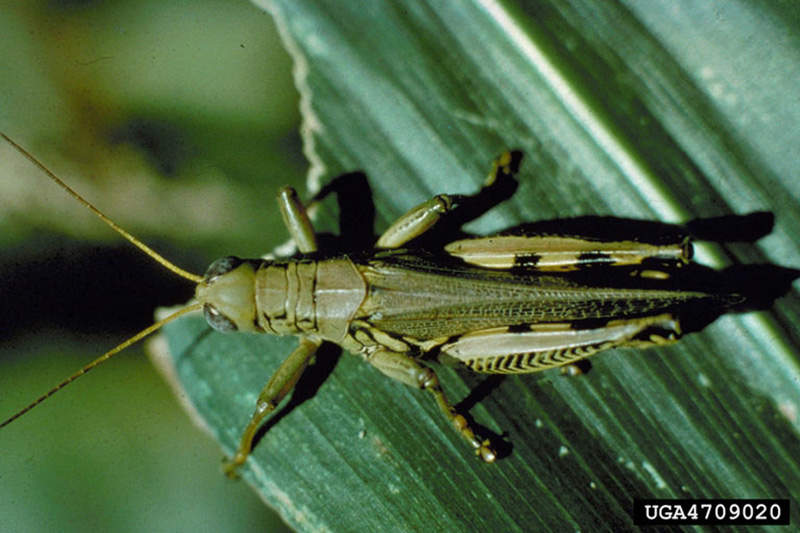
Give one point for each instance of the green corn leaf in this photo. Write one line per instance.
(646, 110)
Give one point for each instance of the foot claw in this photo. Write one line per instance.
(230, 467)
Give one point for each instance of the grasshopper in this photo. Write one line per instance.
(508, 303)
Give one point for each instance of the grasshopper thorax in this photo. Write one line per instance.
(227, 294)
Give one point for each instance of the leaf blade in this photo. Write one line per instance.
(620, 128)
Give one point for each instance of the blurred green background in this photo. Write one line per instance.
(169, 116)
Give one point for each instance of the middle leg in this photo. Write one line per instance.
(405, 369)
(424, 216)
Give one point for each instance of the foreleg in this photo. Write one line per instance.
(279, 385)
(296, 220)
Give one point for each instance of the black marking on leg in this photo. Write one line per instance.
(587, 259)
(519, 328)
(526, 260)
(590, 323)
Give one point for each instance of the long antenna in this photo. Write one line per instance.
(106, 356)
(130, 238)
(133, 240)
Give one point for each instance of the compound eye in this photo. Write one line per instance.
(217, 320)
(221, 266)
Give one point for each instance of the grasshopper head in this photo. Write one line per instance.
(227, 293)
